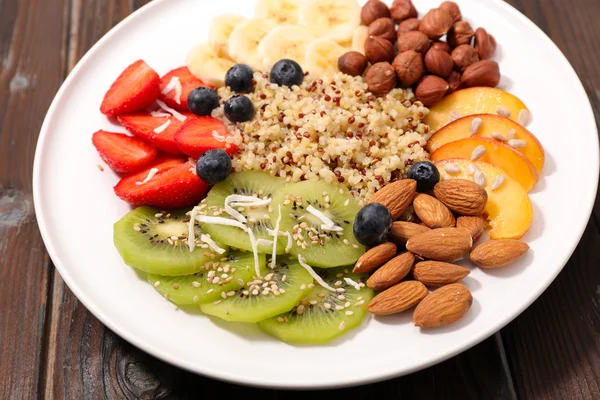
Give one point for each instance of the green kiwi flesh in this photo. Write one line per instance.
(228, 274)
(322, 315)
(254, 303)
(248, 183)
(320, 248)
(145, 239)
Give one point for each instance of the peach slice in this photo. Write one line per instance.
(509, 209)
(477, 100)
(491, 125)
(513, 163)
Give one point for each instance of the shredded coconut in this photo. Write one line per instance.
(220, 221)
(160, 114)
(173, 112)
(163, 127)
(352, 283)
(264, 242)
(150, 175)
(211, 243)
(312, 273)
(275, 237)
(191, 232)
(327, 223)
(217, 137)
(171, 85)
(254, 245)
(290, 242)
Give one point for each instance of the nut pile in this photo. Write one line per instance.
(407, 51)
(422, 246)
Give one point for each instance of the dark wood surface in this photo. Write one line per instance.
(52, 347)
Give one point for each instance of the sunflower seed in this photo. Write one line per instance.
(479, 178)
(498, 181)
(524, 117)
(475, 125)
(512, 133)
(503, 111)
(454, 115)
(516, 143)
(498, 136)
(452, 168)
(477, 153)
(471, 169)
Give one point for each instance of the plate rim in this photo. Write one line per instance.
(141, 343)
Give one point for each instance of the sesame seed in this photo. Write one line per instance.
(311, 285)
(300, 309)
(346, 202)
(175, 286)
(166, 296)
(355, 245)
(196, 284)
(269, 277)
(313, 302)
(359, 303)
(240, 282)
(210, 274)
(359, 298)
(280, 319)
(224, 295)
(246, 293)
(217, 302)
(341, 297)
(339, 275)
(209, 291)
(215, 280)
(349, 312)
(224, 276)
(340, 290)
(327, 306)
(347, 304)
(158, 215)
(195, 299)
(339, 307)
(302, 287)
(137, 228)
(283, 278)
(342, 325)
(231, 293)
(282, 290)
(255, 292)
(100, 167)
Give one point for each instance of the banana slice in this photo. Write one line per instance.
(322, 57)
(288, 41)
(205, 64)
(358, 38)
(244, 40)
(219, 30)
(282, 12)
(331, 19)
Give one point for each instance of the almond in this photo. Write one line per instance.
(437, 273)
(396, 196)
(475, 226)
(498, 253)
(402, 231)
(433, 212)
(461, 196)
(375, 257)
(397, 298)
(443, 306)
(391, 272)
(443, 244)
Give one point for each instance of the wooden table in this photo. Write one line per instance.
(51, 346)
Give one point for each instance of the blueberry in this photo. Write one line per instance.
(287, 72)
(239, 109)
(426, 174)
(239, 78)
(202, 100)
(373, 224)
(214, 166)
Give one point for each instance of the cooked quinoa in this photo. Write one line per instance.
(331, 129)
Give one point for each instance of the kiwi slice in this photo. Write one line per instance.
(320, 247)
(277, 292)
(157, 242)
(323, 315)
(222, 276)
(247, 183)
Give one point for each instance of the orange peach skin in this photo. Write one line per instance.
(501, 155)
(490, 123)
(477, 100)
(509, 209)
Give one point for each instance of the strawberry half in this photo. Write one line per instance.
(135, 89)
(122, 153)
(168, 183)
(144, 125)
(188, 83)
(201, 134)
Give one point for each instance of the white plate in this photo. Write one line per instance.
(76, 208)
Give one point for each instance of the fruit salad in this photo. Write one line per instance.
(271, 183)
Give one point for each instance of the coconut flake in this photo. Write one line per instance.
(275, 236)
(191, 231)
(160, 114)
(163, 127)
(254, 245)
(217, 137)
(233, 212)
(220, 221)
(328, 224)
(211, 243)
(171, 85)
(352, 283)
(264, 242)
(150, 175)
(290, 242)
(312, 273)
(171, 111)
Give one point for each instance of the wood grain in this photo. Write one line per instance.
(25, 270)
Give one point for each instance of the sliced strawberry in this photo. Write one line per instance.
(173, 185)
(202, 134)
(122, 153)
(145, 125)
(188, 83)
(135, 89)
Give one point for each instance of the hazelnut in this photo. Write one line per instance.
(441, 46)
(482, 73)
(413, 40)
(380, 78)
(352, 63)
(438, 62)
(372, 10)
(409, 67)
(403, 9)
(460, 33)
(411, 24)
(431, 89)
(378, 49)
(384, 28)
(452, 9)
(485, 44)
(463, 56)
(436, 23)
(453, 81)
